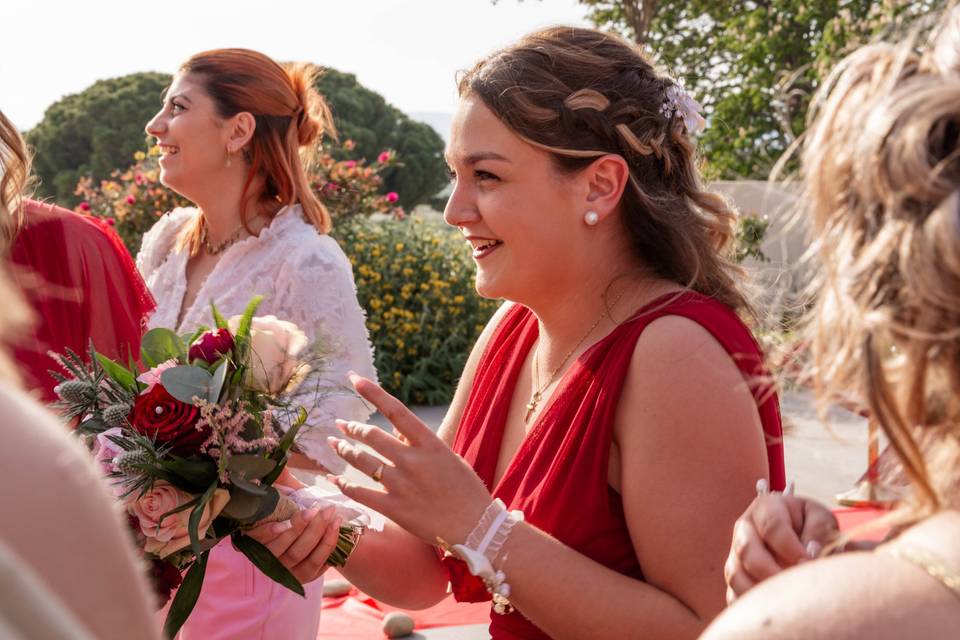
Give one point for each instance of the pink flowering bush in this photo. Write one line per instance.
(133, 199)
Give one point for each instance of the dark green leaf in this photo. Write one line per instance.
(196, 473)
(118, 372)
(186, 597)
(186, 505)
(261, 558)
(250, 466)
(193, 526)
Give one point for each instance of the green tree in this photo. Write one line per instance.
(753, 65)
(374, 125)
(93, 132)
(96, 131)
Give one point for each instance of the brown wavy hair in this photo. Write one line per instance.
(14, 179)
(881, 170)
(291, 117)
(580, 94)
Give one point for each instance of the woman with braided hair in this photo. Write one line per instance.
(613, 418)
(231, 129)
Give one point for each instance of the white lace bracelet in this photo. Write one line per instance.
(482, 547)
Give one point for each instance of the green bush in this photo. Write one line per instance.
(415, 278)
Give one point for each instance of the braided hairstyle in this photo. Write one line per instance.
(580, 94)
(881, 169)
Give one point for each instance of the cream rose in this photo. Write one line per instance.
(172, 534)
(274, 348)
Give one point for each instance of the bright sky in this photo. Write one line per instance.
(407, 50)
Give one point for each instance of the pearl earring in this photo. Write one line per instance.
(591, 217)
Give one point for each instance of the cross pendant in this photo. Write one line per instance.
(532, 406)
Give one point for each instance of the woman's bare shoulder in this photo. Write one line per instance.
(854, 595)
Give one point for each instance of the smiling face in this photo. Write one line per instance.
(517, 211)
(192, 137)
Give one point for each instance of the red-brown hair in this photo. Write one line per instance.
(290, 115)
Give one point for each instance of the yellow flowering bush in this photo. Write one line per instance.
(415, 278)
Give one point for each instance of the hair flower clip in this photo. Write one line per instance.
(679, 102)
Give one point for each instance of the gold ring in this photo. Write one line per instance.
(378, 474)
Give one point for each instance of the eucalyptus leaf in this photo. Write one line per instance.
(261, 558)
(186, 381)
(186, 597)
(196, 473)
(216, 385)
(250, 466)
(242, 484)
(242, 505)
(162, 345)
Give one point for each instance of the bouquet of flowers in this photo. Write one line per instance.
(192, 443)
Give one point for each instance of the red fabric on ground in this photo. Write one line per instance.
(357, 615)
(849, 518)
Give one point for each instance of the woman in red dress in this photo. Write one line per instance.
(77, 276)
(617, 399)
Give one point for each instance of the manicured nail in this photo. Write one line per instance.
(333, 479)
(279, 527)
(337, 523)
(311, 513)
(813, 549)
(791, 487)
(341, 424)
(334, 442)
(328, 513)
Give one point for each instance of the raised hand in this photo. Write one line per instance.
(427, 489)
(777, 531)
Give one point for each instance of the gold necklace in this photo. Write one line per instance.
(538, 390)
(214, 249)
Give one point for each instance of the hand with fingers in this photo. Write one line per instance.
(302, 543)
(776, 532)
(426, 488)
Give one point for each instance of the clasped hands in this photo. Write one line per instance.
(776, 532)
(426, 488)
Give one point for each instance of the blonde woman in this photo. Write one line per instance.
(882, 176)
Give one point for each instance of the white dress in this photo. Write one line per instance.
(305, 278)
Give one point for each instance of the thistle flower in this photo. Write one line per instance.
(116, 414)
(75, 391)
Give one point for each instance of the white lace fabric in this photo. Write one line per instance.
(304, 277)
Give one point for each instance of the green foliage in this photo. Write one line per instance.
(415, 279)
(754, 65)
(751, 230)
(93, 132)
(364, 117)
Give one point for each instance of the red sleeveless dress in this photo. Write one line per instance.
(558, 477)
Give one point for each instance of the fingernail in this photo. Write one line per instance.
(813, 549)
(338, 522)
(328, 513)
(312, 512)
(333, 441)
(333, 479)
(279, 527)
(790, 489)
(341, 424)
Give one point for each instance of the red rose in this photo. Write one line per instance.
(466, 586)
(211, 346)
(159, 415)
(164, 578)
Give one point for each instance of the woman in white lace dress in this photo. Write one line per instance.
(231, 128)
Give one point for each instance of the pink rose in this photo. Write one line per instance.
(105, 451)
(384, 157)
(152, 376)
(392, 197)
(171, 535)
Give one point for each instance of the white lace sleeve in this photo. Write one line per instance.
(159, 240)
(317, 292)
